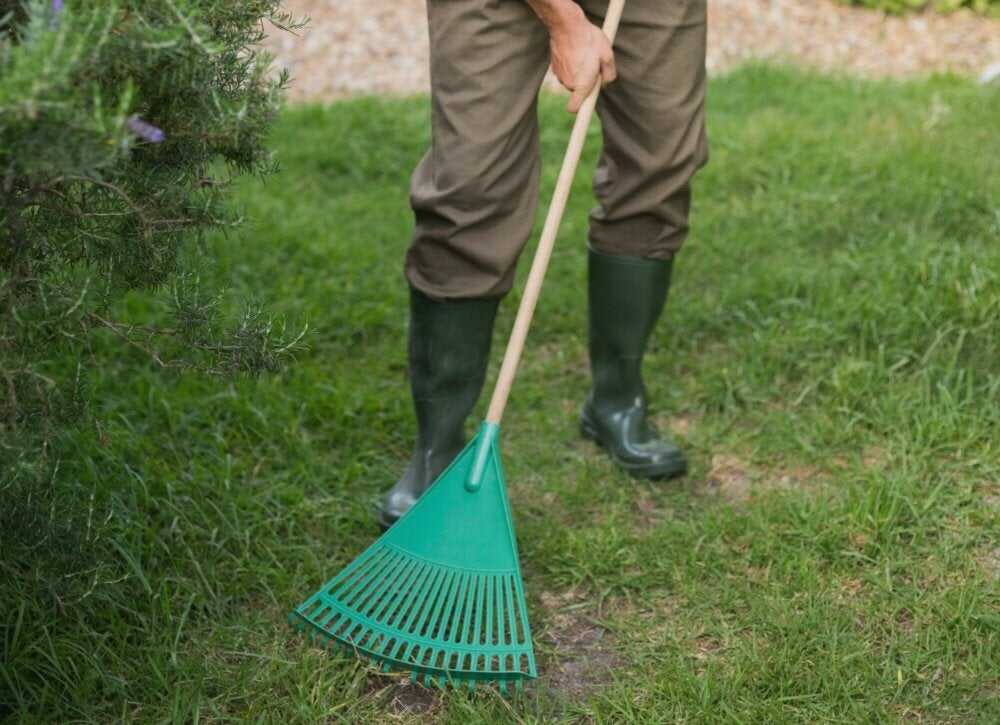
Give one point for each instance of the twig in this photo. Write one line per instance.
(111, 187)
(118, 330)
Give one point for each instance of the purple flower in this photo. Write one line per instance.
(145, 131)
(57, 8)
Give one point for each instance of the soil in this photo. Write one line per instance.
(403, 697)
(584, 656)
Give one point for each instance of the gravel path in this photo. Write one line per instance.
(380, 46)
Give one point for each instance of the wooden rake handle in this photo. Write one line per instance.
(533, 288)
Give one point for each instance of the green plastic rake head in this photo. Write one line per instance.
(440, 593)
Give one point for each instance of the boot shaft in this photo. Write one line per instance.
(449, 349)
(626, 296)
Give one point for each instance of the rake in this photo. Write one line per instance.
(440, 594)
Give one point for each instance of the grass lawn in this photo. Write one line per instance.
(830, 358)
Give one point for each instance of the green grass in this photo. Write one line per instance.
(830, 358)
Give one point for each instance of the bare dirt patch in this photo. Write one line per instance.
(730, 477)
(681, 425)
(380, 46)
(583, 656)
(736, 480)
(989, 563)
(875, 458)
(990, 493)
(403, 697)
(648, 513)
(903, 620)
(850, 589)
(706, 648)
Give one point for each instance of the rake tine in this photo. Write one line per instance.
(402, 595)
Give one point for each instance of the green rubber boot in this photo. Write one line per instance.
(626, 296)
(449, 353)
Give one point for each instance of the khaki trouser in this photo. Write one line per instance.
(475, 192)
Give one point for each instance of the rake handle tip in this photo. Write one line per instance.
(487, 437)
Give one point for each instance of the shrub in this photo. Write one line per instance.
(111, 116)
(986, 7)
(121, 124)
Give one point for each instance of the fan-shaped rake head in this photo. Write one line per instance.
(442, 623)
(440, 594)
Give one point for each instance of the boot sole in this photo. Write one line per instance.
(667, 469)
(383, 521)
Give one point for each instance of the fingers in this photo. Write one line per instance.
(603, 74)
(609, 70)
(596, 67)
(586, 81)
(578, 96)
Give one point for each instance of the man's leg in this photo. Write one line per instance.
(474, 196)
(654, 142)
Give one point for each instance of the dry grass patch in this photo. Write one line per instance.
(850, 589)
(737, 480)
(680, 426)
(875, 458)
(988, 562)
(658, 621)
(990, 492)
